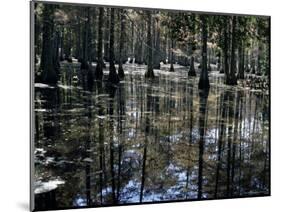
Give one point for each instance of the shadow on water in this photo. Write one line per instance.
(146, 141)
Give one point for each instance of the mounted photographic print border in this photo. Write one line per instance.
(138, 106)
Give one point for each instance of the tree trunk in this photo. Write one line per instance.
(61, 53)
(149, 73)
(49, 74)
(241, 53)
(172, 56)
(259, 62)
(85, 43)
(192, 72)
(99, 72)
(226, 50)
(121, 46)
(157, 55)
(94, 36)
(78, 39)
(56, 56)
(209, 60)
(107, 35)
(204, 79)
(113, 76)
(132, 42)
(233, 79)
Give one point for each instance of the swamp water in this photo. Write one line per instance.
(148, 141)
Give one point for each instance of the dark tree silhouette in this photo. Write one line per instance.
(49, 74)
(149, 73)
(233, 80)
(121, 45)
(113, 76)
(99, 72)
(204, 78)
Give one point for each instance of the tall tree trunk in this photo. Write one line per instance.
(85, 43)
(204, 78)
(241, 54)
(156, 56)
(78, 39)
(191, 71)
(61, 52)
(172, 56)
(56, 56)
(233, 80)
(209, 59)
(259, 61)
(226, 49)
(49, 74)
(107, 35)
(99, 72)
(113, 76)
(94, 36)
(68, 43)
(192, 47)
(132, 41)
(149, 73)
(121, 46)
(139, 45)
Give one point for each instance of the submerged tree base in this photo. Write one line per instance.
(204, 84)
(157, 66)
(113, 76)
(84, 65)
(121, 73)
(172, 68)
(231, 82)
(221, 71)
(49, 77)
(192, 73)
(99, 72)
(149, 74)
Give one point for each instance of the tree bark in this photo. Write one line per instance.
(49, 74)
(226, 50)
(156, 55)
(172, 56)
(113, 76)
(99, 72)
(121, 46)
(149, 73)
(191, 71)
(233, 79)
(241, 53)
(204, 79)
(107, 35)
(85, 43)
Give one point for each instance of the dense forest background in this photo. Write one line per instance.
(232, 44)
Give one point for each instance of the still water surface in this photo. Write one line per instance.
(148, 141)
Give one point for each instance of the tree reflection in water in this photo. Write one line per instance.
(147, 141)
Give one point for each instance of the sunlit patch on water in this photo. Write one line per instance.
(43, 187)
